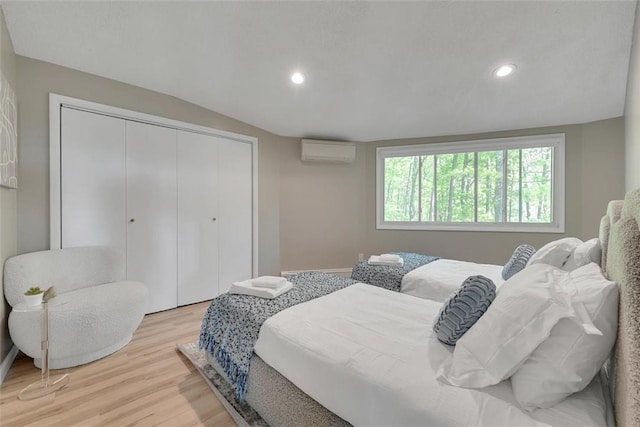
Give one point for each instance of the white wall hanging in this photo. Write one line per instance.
(8, 135)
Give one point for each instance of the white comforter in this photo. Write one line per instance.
(439, 279)
(370, 356)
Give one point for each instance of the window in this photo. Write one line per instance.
(506, 184)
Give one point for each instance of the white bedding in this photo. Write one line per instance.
(439, 279)
(370, 356)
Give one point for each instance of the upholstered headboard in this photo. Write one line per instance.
(621, 263)
(614, 210)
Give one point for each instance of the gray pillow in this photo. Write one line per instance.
(518, 260)
(463, 308)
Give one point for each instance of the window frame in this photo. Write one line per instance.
(557, 141)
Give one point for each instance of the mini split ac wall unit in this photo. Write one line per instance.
(314, 150)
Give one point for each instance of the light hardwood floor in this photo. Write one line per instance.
(147, 383)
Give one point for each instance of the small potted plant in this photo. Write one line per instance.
(33, 296)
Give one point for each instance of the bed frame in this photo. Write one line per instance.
(281, 403)
(622, 265)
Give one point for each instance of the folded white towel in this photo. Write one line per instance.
(392, 257)
(246, 288)
(272, 282)
(387, 263)
(378, 260)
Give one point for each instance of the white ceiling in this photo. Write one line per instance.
(375, 70)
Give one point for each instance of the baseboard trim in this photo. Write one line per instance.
(338, 271)
(7, 362)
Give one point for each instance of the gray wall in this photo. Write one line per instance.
(38, 78)
(8, 197)
(632, 112)
(322, 209)
(594, 175)
(327, 212)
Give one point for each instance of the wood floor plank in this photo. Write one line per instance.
(147, 383)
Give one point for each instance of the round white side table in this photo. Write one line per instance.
(48, 384)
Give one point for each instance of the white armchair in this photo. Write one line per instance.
(102, 311)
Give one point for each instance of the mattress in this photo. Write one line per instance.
(369, 356)
(439, 279)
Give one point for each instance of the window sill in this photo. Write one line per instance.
(496, 228)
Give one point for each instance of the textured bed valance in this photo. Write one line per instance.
(621, 255)
(614, 210)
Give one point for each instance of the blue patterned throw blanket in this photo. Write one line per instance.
(388, 277)
(231, 326)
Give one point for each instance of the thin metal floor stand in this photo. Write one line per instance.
(48, 384)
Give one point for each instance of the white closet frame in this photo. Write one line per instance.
(56, 102)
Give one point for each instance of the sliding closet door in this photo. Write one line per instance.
(197, 217)
(151, 212)
(236, 222)
(93, 179)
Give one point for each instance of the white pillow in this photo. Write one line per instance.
(585, 253)
(526, 308)
(555, 253)
(569, 359)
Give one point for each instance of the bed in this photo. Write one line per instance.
(385, 372)
(436, 278)
(424, 276)
(362, 355)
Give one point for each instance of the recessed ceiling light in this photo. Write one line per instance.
(504, 70)
(297, 78)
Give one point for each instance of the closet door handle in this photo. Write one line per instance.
(132, 220)
(214, 219)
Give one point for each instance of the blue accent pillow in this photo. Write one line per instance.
(518, 260)
(463, 308)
